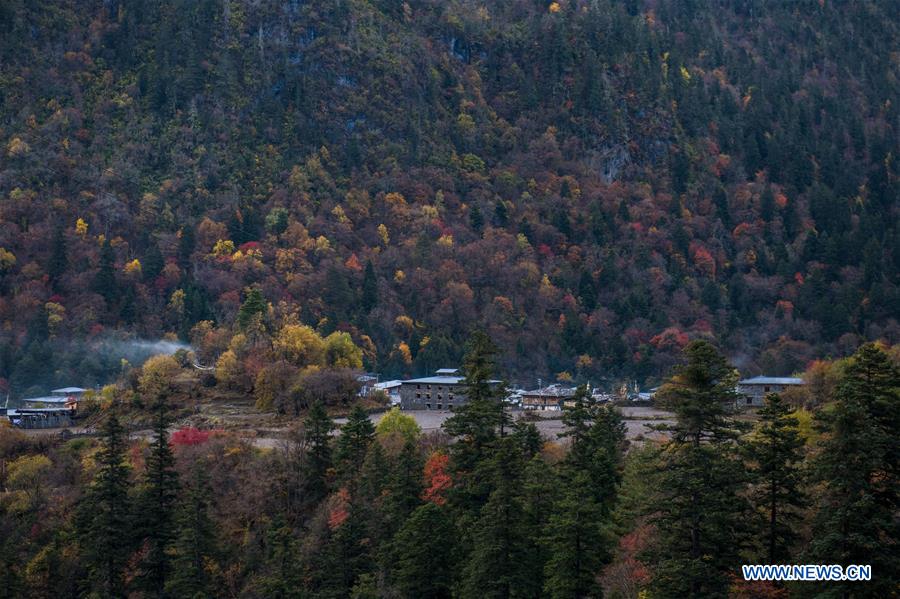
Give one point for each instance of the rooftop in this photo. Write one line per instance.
(67, 390)
(442, 380)
(552, 391)
(446, 371)
(388, 384)
(771, 380)
(437, 380)
(45, 399)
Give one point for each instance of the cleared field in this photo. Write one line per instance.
(549, 423)
(262, 432)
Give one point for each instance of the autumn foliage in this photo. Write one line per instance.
(437, 480)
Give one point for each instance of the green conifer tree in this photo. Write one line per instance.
(254, 306)
(279, 577)
(700, 510)
(541, 486)
(195, 544)
(187, 241)
(476, 219)
(577, 541)
(856, 516)
(347, 554)
(369, 288)
(373, 477)
(404, 486)
(423, 558)
(597, 439)
(105, 279)
(776, 450)
(477, 423)
(103, 521)
(497, 564)
(353, 443)
(153, 263)
(318, 459)
(157, 506)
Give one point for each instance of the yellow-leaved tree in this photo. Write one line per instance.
(341, 352)
(7, 260)
(157, 377)
(300, 345)
(26, 482)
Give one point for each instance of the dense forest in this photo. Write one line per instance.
(485, 508)
(594, 183)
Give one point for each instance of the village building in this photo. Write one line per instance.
(47, 401)
(367, 383)
(550, 398)
(444, 391)
(514, 398)
(753, 391)
(31, 418)
(391, 389)
(64, 398)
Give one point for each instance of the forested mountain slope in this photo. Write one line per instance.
(594, 182)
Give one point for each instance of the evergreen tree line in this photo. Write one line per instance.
(487, 507)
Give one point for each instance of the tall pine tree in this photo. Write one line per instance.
(577, 539)
(856, 518)
(369, 288)
(318, 459)
(476, 423)
(776, 450)
(423, 560)
(105, 279)
(597, 440)
(499, 544)
(700, 509)
(157, 506)
(104, 517)
(195, 543)
(353, 443)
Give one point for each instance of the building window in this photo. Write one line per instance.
(429, 387)
(450, 396)
(428, 406)
(418, 386)
(767, 388)
(440, 406)
(749, 400)
(428, 395)
(439, 396)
